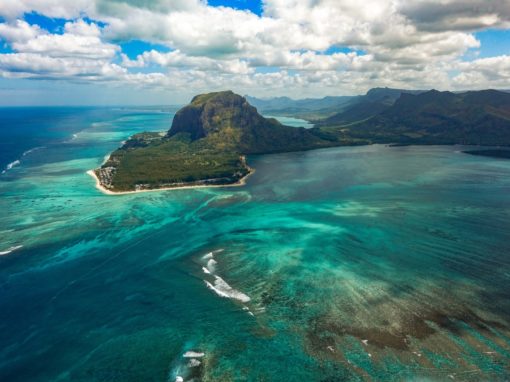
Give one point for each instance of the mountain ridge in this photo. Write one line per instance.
(472, 118)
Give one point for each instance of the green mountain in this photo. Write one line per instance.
(227, 121)
(433, 117)
(205, 146)
(360, 108)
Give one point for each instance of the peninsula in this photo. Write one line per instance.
(209, 139)
(206, 146)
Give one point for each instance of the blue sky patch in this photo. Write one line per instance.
(5, 47)
(254, 6)
(134, 48)
(54, 25)
(46, 23)
(494, 42)
(343, 49)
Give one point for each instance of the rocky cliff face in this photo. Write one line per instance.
(210, 113)
(227, 120)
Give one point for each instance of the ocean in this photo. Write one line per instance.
(341, 264)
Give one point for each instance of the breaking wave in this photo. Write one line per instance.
(222, 289)
(9, 250)
(32, 150)
(11, 165)
(218, 285)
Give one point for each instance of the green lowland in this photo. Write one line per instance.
(210, 137)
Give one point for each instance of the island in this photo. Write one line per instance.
(210, 139)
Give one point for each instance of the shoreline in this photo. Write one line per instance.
(241, 182)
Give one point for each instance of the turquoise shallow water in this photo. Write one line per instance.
(362, 263)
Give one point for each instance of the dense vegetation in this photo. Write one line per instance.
(169, 162)
(433, 117)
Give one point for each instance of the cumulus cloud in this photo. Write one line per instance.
(52, 8)
(292, 46)
(466, 15)
(483, 73)
(79, 39)
(78, 52)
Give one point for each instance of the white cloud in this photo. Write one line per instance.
(177, 59)
(78, 52)
(466, 15)
(66, 9)
(411, 43)
(79, 39)
(19, 31)
(484, 72)
(34, 65)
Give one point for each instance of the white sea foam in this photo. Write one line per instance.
(208, 256)
(11, 249)
(222, 289)
(32, 150)
(206, 271)
(193, 354)
(194, 362)
(247, 310)
(179, 379)
(11, 165)
(211, 265)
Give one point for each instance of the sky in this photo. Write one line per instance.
(160, 52)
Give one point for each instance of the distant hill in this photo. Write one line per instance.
(360, 108)
(308, 108)
(434, 117)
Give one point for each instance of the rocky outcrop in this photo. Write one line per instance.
(228, 121)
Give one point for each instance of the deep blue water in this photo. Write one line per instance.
(351, 263)
(26, 128)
